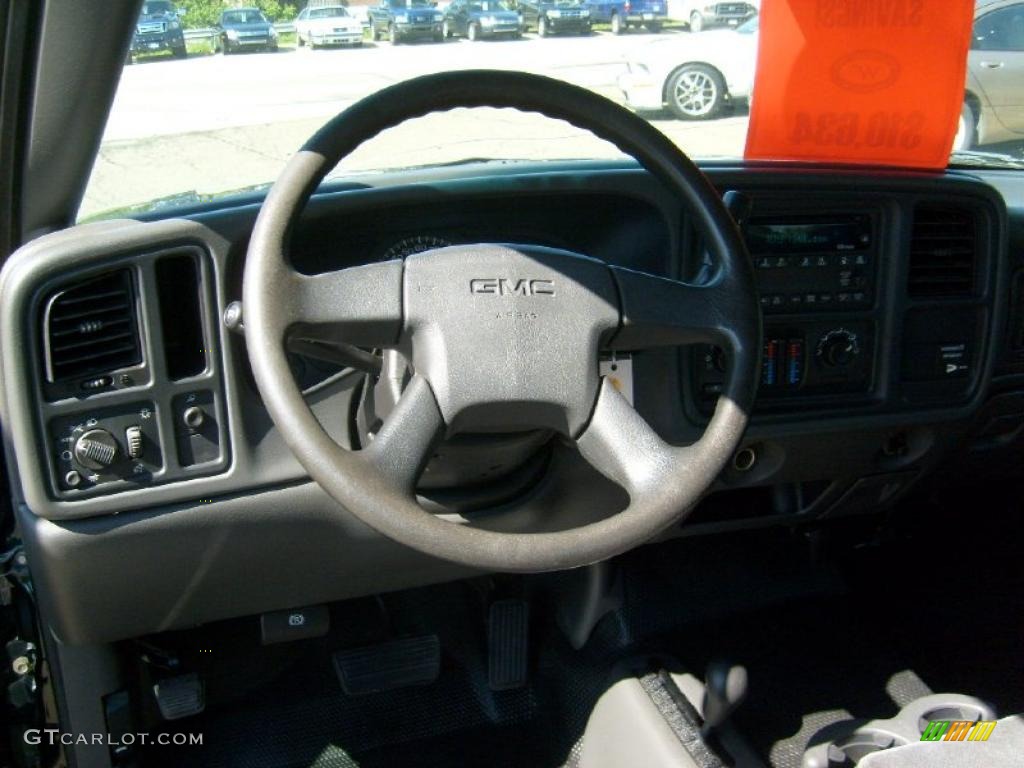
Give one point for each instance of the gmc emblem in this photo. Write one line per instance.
(500, 286)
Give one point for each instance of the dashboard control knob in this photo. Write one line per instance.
(73, 478)
(96, 449)
(193, 417)
(133, 441)
(838, 348)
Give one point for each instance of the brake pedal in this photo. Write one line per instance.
(391, 665)
(181, 696)
(508, 642)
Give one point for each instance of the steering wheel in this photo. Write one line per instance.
(503, 336)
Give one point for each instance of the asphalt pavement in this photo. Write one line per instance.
(214, 123)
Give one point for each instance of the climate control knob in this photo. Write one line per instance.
(96, 449)
(838, 348)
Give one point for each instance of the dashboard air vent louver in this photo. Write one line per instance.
(91, 328)
(943, 253)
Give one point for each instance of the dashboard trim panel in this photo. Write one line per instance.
(259, 458)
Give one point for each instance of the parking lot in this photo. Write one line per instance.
(213, 123)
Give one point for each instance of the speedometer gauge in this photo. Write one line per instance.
(413, 245)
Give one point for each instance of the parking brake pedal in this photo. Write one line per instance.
(508, 638)
(391, 665)
(179, 697)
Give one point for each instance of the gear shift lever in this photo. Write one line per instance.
(725, 686)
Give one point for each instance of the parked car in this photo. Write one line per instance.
(360, 13)
(158, 29)
(993, 108)
(245, 29)
(328, 25)
(401, 20)
(701, 15)
(623, 14)
(477, 19)
(553, 17)
(695, 80)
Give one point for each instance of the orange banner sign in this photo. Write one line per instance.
(867, 82)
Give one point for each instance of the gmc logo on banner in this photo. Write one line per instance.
(500, 286)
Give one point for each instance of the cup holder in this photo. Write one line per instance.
(950, 712)
(847, 752)
(844, 744)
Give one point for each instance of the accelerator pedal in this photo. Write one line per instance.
(508, 642)
(391, 665)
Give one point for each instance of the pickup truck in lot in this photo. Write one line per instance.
(700, 14)
(552, 17)
(158, 29)
(623, 14)
(401, 20)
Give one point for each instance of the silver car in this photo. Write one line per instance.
(993, 109)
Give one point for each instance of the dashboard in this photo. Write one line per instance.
(892, 310)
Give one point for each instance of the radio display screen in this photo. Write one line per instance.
(808, 235)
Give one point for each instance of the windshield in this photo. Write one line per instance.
(243, 17)
(156, 8)
(489, 6)
(228, 117)
(328, 13)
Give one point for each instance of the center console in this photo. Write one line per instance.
(817, 278)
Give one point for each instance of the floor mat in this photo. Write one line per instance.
(302, 718)
(855, 638)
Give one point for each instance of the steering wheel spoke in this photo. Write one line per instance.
(402, 447)
(359, 306)
(623, 447)
(661, 312)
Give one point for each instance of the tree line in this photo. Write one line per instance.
(205, 13)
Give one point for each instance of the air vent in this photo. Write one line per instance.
(91, 328)
(943, 253)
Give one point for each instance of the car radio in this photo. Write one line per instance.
(815, 278)
(807, 264)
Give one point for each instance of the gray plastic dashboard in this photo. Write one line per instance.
(180, 548)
